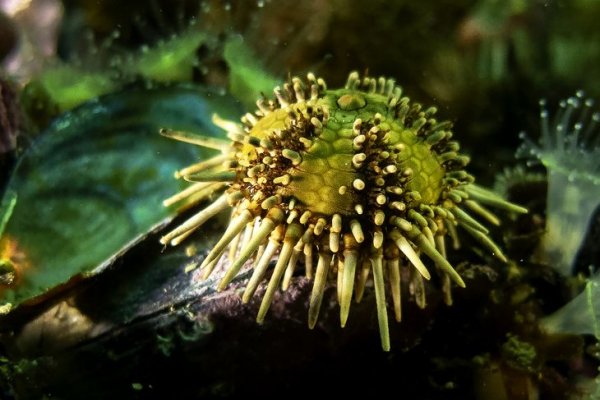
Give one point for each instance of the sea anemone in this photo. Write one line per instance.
(569, 148)
(360, 178)
(100, 71)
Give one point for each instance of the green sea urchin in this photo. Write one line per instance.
(360, 176)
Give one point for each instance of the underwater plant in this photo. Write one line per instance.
(569, 149)
(361, 176)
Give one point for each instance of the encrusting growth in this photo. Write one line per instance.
(360, 178)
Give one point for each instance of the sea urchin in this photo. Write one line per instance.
(360, 178)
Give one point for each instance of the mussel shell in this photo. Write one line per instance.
(94, 181)
(146, 329)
